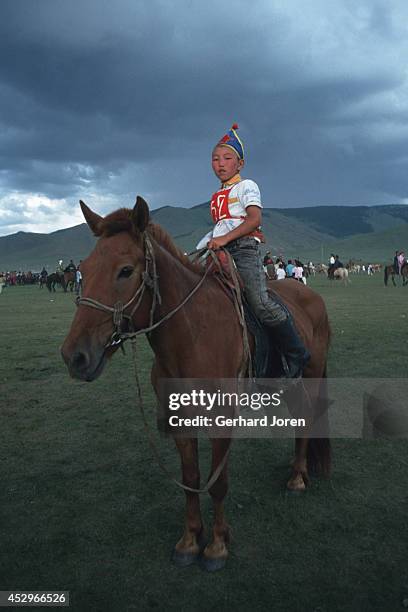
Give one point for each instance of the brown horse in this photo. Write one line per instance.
(390, 271)
(69, 279)
(55, 279)
(203, 339)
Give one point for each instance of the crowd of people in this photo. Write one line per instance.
(17, 277)
(14, 278)
(279, 269)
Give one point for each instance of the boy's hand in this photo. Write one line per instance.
(217, 243)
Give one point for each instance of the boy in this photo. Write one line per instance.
(236, 210)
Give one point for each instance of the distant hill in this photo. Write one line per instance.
(30, 251)
(344, 221)
(277, 227)
(370, 233)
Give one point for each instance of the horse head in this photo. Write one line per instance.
(112, 276)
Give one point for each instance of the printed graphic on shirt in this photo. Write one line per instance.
(219, 205)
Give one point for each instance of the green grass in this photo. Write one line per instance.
(84, 506)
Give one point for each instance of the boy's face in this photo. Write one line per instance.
(225, 163)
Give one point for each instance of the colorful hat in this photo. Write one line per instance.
(231, 140)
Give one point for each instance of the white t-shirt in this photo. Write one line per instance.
(280, 273)
(243, 194)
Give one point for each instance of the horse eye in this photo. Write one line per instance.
(125, 272)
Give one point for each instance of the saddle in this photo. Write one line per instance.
(222, 270)
(267, 360)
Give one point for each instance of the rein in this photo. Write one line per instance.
(118, 337)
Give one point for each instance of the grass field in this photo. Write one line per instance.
(85, 508)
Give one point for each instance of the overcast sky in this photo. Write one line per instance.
(103, 100)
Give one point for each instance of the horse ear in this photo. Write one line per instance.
(92, 219)
(140, 214)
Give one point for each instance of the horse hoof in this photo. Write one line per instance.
(212, 564)
(181, 559)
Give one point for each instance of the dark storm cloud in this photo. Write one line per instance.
(110, 99)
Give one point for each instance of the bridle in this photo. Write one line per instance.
(150, 280)
(118, 309)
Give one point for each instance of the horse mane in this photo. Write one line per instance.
(122, 221)
(165, 240)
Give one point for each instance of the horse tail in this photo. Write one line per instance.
(319, 449)
(386, 275)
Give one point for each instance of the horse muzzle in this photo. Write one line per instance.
(82, 363)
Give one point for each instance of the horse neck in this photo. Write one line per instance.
(174, 342)
(176, 281)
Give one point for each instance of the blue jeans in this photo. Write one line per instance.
(247, 257)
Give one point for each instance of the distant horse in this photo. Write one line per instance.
(321, 268)
(390, 271)
(341, 274)
(69, 279)
(55, 279)
(310, 269)
(137, 267)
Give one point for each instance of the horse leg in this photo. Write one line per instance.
(303, 402)
(299, 477)
(313, 453)
(189, 546)
(216, 553)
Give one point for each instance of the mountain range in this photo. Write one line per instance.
(368, 233)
